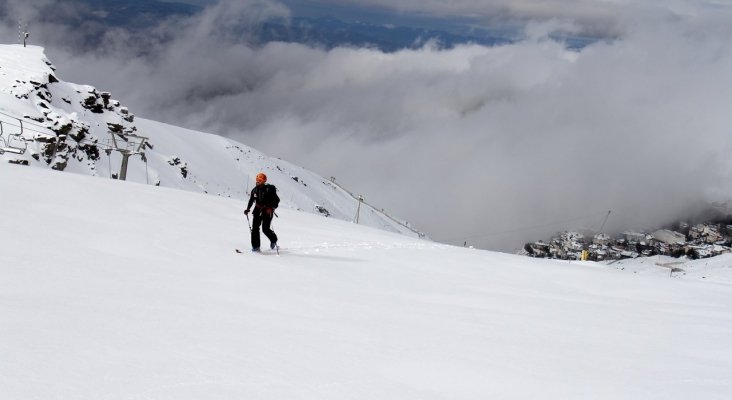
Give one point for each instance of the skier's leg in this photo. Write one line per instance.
(256, 222)
(266, 222)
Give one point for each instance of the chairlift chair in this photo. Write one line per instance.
(14, 143)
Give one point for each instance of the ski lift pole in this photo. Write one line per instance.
(129, 148)
(603, 222)
(358, 210)
(125, 161)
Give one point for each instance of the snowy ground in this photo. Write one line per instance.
(117, 290)
(715, 269)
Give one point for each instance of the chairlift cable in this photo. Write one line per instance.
(20, 119)
(603, 222)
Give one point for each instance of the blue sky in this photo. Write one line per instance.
(582, 21)
(598, 17)
(376, 14)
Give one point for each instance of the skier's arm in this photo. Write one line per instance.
(251, 201)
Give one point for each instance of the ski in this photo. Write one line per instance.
(275, 251)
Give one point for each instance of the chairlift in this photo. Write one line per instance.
(131, 145)
(14, 143)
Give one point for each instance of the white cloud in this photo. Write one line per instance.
(467, 143)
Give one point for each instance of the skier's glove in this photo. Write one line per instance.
(246, 212)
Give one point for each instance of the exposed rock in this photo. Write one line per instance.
(80, 134)
(90, 103)
(322, 210)
(91, 152)
(105, 98)
(60, 165)
(64, 130)
(37, 119)
(115, 128)
(175, 161)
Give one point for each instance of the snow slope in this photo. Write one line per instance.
(118, 290)
(715, 269)
(49, 108)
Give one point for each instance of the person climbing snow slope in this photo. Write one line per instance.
(265, 200)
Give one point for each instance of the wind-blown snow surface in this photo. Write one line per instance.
(716, 269)
(117, 290)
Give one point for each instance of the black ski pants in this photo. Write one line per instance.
(265, 220)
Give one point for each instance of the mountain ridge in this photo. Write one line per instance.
(70, 127)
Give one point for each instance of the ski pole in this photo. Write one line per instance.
(249, 223)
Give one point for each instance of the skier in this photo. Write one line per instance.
(265, 200)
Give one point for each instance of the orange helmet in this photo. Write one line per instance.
(261, 178)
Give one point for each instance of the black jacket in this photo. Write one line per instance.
(265, 196)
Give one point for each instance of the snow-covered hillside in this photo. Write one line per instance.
(68, 127)
(127, 291)
(715, 269)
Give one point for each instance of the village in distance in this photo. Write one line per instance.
(681, 239)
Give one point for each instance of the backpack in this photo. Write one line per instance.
(270, 196)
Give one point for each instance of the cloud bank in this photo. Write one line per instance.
(493, 146)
